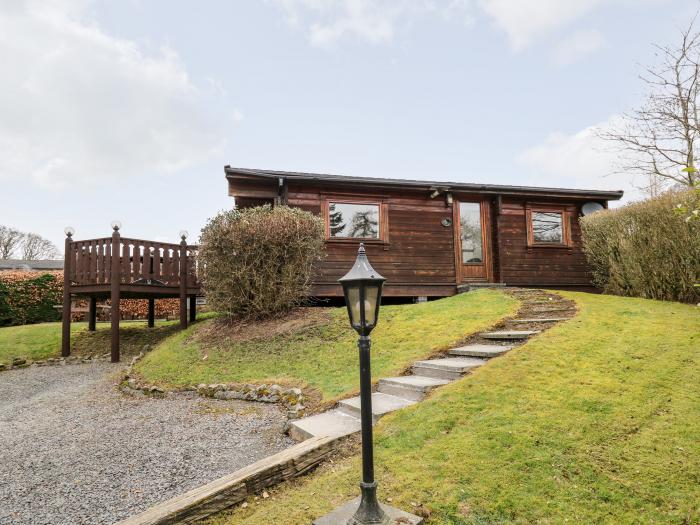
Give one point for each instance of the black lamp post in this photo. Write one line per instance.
(362, 287)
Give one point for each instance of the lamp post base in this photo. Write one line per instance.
(345, 515)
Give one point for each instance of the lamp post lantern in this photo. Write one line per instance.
(362, 287)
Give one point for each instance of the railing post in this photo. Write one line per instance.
(65, 334)
(115, 283)
(151, 312)
(183, 283)
(92, 314)
(193, 308)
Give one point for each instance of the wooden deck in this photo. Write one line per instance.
(117, 267)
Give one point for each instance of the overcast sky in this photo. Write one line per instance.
(129, 109)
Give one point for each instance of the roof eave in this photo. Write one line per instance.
(493, 189)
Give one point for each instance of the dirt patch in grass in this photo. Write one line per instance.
(222, 331)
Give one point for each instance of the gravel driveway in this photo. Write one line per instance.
(73, 449)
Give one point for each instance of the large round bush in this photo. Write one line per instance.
(258, 262)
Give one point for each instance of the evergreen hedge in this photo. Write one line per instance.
(29, 297)
(646, 249)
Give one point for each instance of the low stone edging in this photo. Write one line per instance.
(236, 487)
(290, 398)
(20, 362)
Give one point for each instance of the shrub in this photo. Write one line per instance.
(258, 262)
(645, 249)
(31, 297)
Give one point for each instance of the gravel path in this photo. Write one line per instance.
(73, 449)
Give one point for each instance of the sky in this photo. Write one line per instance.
(130, 109)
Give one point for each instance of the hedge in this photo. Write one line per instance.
(645, 249)
(258, 262)
(32, 297)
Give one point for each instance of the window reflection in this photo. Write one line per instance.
(547, 227)
(353, 220)
(470, 229)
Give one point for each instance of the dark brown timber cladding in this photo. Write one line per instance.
(417, 256)
(521, 264)
(416, 253)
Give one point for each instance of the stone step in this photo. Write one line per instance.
(409, 387)
(509, 334)
(480, 350)
(544, 320)
(553, 309)
(333, 423)
(446, 368)
(381, 404)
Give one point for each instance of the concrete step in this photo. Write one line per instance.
(480, 350)
(509, 334)
(381, 404)
(409, 387)
(543, 320)
(333, 423)
(447, 368)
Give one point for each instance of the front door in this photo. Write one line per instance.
(472, 245)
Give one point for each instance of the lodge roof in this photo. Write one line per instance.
(232, 172)
(23, 264)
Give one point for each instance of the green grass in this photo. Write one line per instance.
(324, 357)
(43, 340)
(595, 421)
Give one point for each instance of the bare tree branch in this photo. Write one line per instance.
(35, 247)
(10, 240)
(659, 139)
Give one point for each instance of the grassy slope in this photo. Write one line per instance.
(43, 340)
(325, 356)
(595, 421)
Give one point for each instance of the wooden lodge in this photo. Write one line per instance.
(431, 238)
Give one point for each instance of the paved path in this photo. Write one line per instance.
(75, 450)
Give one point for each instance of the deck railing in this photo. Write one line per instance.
(140, 262)
(117, 266)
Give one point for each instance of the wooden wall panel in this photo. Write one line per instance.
(521, 264)
(419, 251)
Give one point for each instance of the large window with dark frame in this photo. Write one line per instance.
(351, 220)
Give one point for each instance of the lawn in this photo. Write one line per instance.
(323, 357)
(595, 421)
(43, 340)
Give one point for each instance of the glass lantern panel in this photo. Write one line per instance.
(371, 292)
(353, 299)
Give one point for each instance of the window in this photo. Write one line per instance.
(353, 220)
(548, 226)
(470, 231)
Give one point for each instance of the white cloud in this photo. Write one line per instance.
(579, 160)
(373, 21)
(577, 46)
(78, 105)
(526, 20)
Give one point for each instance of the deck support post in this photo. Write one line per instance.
(92, 314)
(151, 312)
(65, 334)
(193, 308)
(115, 282)
(183, 283)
